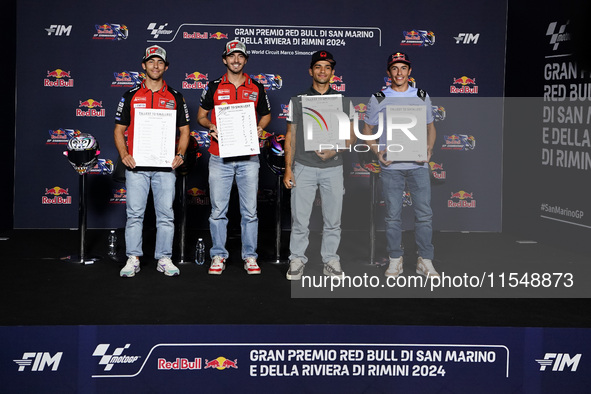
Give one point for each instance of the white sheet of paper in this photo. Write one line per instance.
(413, 120)
(325, 128)
(154, 137)
(237, 130)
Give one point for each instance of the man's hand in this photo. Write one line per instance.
(128, 160)
(288, 179)
(382, 158)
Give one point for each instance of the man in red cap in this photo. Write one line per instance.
(235, 86)
(395, 174)
(152, 93)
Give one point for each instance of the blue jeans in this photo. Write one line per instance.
(419, 186)
(138, 185)
(221, 176)
(330, 182)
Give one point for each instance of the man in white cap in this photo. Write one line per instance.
(235, 86)
(152, 93)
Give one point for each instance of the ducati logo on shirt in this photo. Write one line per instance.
(164, 103)
(252, 96)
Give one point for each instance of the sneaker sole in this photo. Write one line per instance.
(168, 273)
(392, 275)
(131, 275)
(328, 273)
(293, 277)
(216, 272)
(428, 275)
(252, 272)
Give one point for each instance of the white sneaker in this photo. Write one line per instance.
(333, 268)
(296, 270)
(251, 266)
(395, 268)
(425, 267)
(218, 264)
(165, 265)
(132, 267)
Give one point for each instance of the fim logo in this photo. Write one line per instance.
(108, 360)
(58, 30)
(467, 38)
(559, 361)
(38, 361)
(221, 363)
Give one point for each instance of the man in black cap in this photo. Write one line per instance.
(307, 171)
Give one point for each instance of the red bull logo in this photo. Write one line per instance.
(110, 31)
(269, 81)
(180, 364)
(92, 111)
(59, 136)
(60, 196)
(464, 89)
(417, 37)
(58, 79)
(461, 199)
(437, 170)
(221, 363)
(337, 83)
(361, 108)
(128, 78)
(199, 81)
(198, 196)
(284, 111)
(218, 35)
(118, 196)
(462, 142)
(195, 36)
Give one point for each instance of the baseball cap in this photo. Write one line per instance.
(322, 55)
(235, 46)
(153, 51)
(398, 57)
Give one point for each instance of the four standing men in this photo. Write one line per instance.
(305, 172)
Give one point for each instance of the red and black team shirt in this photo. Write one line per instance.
(142, 97)
(221, 92)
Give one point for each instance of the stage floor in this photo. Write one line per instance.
(39, 288)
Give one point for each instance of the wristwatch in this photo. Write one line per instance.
(181, 156)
